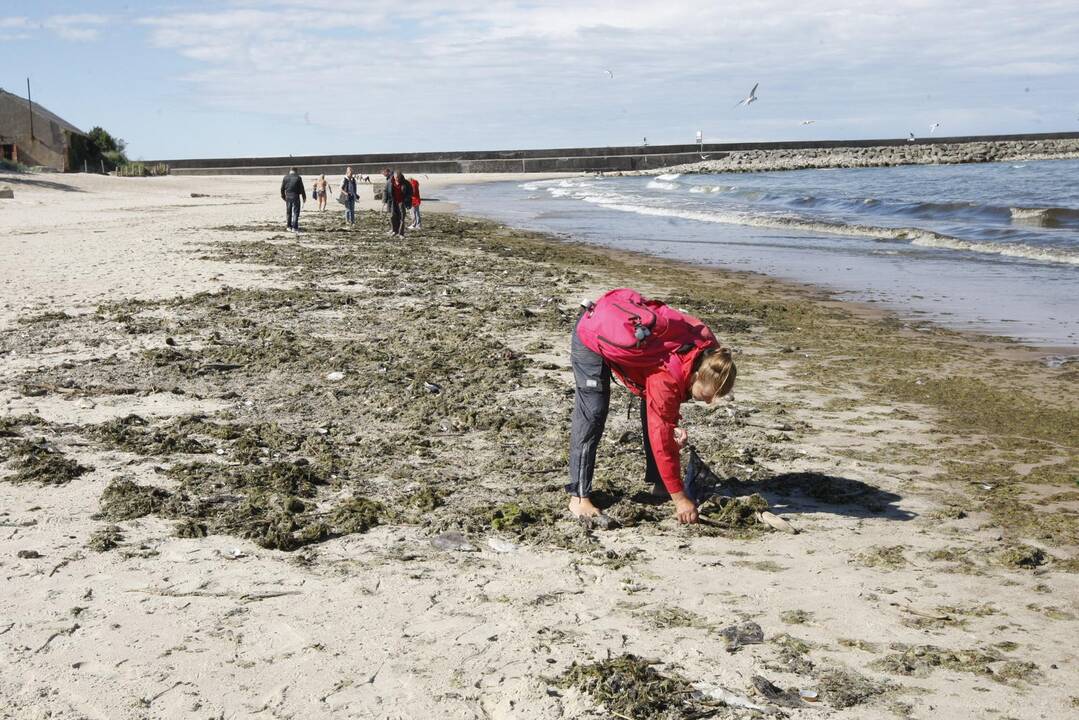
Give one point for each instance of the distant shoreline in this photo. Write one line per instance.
(646, 158)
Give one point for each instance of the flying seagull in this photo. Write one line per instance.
(705, 157)
(609, 72)
(808, 122)
(933, 127)
(749, 99)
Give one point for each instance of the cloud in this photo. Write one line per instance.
(477, 72)
(80, 28)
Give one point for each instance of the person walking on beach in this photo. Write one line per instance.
(348, 190)
(320, 191)
(415, 204)
(293, 194)
(387, 191)
(664, 357)
(401, 199)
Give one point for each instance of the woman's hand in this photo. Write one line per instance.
(681, 436)
(684, 509)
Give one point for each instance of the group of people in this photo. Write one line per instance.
(663, 356)
(401, 198)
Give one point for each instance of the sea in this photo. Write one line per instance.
(991, 247)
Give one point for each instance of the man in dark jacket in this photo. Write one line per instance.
(401, 196)
(292, 193)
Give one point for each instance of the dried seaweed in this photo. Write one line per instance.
(105, 538)
(124, 499)
(39, 461)
(629, 686)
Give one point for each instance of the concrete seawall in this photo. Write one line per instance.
(631, 159)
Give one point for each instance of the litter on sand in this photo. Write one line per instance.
(501, 546)
(453, 541)
(746, 633)
(699, 483)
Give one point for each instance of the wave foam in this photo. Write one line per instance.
(1050, 217)
(913, 236)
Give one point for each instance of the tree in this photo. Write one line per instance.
(96, 147)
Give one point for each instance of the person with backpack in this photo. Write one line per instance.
(415, 204)
(664, 357)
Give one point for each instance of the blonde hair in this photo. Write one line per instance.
(715, 368)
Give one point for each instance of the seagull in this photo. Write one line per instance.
(911, 138)
(705, 157)
(808, 122)
(933, 127)
(307, 118)
(749, 99)
(609, 72)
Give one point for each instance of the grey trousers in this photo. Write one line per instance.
(397, 218)
(591, 403)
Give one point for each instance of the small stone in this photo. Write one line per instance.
(28, 554)
(335, 376)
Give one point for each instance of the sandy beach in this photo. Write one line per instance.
(248, 474)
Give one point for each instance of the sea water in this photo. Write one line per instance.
(990, 247)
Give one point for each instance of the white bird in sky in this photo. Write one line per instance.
(808, 122)
(749, 99)
(609, 72)
(933, 127)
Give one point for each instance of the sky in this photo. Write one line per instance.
(236, 78)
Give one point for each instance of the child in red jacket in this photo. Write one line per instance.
(415, 204)
(663, 356)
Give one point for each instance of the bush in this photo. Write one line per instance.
(97, 151)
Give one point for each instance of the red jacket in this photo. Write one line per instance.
(664, 386)
(415, 192)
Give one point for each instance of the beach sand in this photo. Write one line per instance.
(283, 385)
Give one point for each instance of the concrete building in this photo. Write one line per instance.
(46, 145)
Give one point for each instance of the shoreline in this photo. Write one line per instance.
(823, 296)
(275, 430)
(908, 314)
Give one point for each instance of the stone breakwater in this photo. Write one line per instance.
(915, 153)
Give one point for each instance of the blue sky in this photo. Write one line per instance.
(237, 77)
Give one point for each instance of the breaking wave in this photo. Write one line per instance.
(913, 236)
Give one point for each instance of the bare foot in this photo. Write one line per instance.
(583, 507)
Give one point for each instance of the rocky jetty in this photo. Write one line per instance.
(914, 153)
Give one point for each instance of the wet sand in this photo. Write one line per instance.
(227, 450)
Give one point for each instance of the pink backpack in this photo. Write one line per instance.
(630, 331)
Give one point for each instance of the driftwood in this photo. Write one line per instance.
(247, 597)
(67, 631)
